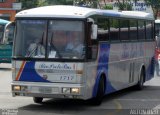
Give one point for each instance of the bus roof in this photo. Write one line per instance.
(2, 21)
(79, 12)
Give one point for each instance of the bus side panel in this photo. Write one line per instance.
(121, 63)
(118, 65)
(126, 60)
(102, 68)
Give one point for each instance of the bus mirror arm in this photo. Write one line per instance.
(94, 31)
(89, 53)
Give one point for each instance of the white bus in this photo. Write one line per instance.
(116, 52)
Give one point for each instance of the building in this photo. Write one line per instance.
(8, 9)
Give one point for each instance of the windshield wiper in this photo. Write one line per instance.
(29, 53)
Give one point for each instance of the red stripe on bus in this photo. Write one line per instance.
(20, 71)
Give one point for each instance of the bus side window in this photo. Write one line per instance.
(103, 25)
(133, 34)
(92, 43)
(141, 30)
(124, 27)
(149, 30)
(114, 29)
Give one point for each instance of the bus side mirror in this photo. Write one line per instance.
(9, 33)
(94, 32)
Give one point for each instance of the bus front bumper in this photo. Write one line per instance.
(48, 90)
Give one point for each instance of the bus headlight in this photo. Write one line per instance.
(66, 90)
(16, 88)
(75, 90)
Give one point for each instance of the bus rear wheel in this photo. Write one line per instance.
(37, 99)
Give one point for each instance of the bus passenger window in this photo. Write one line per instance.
(114, 29)
(141, 30)
(103, 25)
(124, 25)
(149, 32)
(133, 30)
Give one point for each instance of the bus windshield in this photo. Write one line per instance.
(49, 39)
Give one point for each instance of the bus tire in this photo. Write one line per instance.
(140, 83)
(37, 99)
(100, 92)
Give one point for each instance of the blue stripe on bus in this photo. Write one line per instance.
(104, 50)
(150, 69)
(29, 73)
(108, 13)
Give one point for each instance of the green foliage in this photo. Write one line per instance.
(155, 4)
(124, 6)
(86, 3)
(58, 2)
(108, 6)
(114, 23)
(26, 4)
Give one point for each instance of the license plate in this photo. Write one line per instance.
(45, 90)
(67, 78)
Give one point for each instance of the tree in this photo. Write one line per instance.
(87, 3)
(155, 4)
(26, 4)
(108, 6)
(59, 2)
(124, 5)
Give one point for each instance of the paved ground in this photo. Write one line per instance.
(125, 102)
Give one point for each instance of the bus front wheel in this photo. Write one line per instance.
(37, 99)
(140, 83)
(100, 92)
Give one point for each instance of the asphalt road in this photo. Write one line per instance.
(124, 102)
